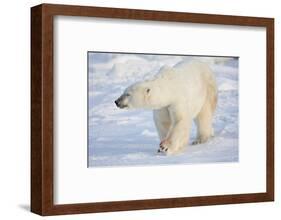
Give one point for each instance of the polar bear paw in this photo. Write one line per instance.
(163, 146)
(166, 148)
(200, 140)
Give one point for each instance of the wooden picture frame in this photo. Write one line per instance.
(42, 120)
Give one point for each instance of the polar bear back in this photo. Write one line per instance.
(186, 83)
(186, 71)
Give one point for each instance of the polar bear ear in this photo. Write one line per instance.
(147, 95)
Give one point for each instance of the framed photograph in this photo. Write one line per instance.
(139, 109)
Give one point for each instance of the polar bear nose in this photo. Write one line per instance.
(118, 102)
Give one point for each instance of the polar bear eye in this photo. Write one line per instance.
(127, 95)
(147, 90)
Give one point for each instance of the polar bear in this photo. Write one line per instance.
(177, 95)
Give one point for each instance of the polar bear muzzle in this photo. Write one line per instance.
(120, 102)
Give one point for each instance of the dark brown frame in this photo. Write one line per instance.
(42, 108)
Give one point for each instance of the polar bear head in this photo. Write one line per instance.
(145, 95)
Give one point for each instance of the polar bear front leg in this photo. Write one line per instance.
(178, 134)
(162, 122)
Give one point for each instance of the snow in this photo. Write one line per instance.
(128, 137)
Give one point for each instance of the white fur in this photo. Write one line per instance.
(177, 96)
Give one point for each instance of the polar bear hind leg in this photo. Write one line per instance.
(205, 117)
(162, 122)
